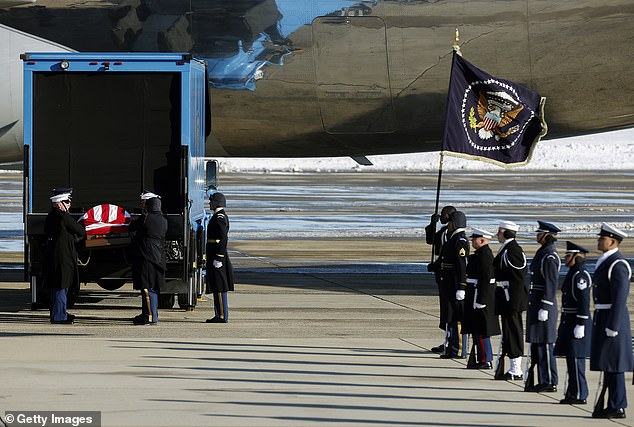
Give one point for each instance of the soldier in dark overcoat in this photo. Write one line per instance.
(437, 238)
(149, 263)
(573, 335)
(219, 269)
(480, 319)
(611, 348)
(60, 260)
(542, 311)
(509, 269)
(453, 281)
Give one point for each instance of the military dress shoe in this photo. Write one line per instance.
(571, 401)
(63, 322)
(216, 320)
(542, 388)
(616, 413)
(438, 349)
(484, 365)
(512, 377)
(140, 321)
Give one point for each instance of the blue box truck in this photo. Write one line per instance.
(110, 125)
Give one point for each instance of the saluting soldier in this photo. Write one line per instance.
(611, 348)
(480, 318)
(220, 273)
(541, 315)
(437, 239)
(453, 281)
(509, 266)
(60, 262)
(149, 263)
(573, 335)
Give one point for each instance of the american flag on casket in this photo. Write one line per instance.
(106, 219)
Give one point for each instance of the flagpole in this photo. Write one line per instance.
(456, 48)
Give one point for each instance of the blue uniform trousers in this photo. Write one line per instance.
(58, 304)
(543, 355)
(577, 384)
(484, 351)
(221, 306)
(149, 305)
(617, 398)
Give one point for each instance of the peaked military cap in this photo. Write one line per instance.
(509, 225)
(476, 232)
(547, 227)
(60, 194)
(575, 248)
(146, 195)
(611, 231)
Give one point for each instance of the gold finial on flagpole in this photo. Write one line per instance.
(456, 41)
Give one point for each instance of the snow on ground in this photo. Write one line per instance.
(604, 151)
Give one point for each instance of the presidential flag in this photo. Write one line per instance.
(491, 119)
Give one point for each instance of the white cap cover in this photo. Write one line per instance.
(60, 197)
(509, 225)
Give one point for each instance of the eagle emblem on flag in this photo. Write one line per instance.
(496, 111)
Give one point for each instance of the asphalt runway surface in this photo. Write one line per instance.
(327, 327)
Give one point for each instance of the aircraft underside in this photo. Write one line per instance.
(303, 78)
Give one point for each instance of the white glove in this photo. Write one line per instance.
(459, 295)
(217, 264)
(476, 305)
(579, 331)
(542, 315)
(609, 332)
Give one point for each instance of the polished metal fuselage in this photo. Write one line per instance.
(300, 78)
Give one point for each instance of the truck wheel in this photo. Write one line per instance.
(111, 284)
(166, 300)
(185, 304)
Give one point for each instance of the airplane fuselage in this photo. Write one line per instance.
(303, 78)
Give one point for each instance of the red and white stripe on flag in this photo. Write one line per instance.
(106, 218)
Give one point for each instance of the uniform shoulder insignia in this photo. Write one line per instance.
(582, 283)
(462, 252)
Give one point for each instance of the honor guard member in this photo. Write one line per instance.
(60, 262)
(220, 272)
(149, 264)
(436, 239)
(480, 318)
(573, 335)
(541, 315)
(611, 348)
(509, 269)
(453, 281)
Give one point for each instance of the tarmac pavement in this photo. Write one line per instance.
(317, 345)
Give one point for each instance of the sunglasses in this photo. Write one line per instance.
(66, 202)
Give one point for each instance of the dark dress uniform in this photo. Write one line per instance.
(542, 296)
(149, 263)
(437, 240)
(510, 275)
(481, 322)
(612, 355)
(453, 277)
(219, 279)
(60, 261)
(575, 311)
